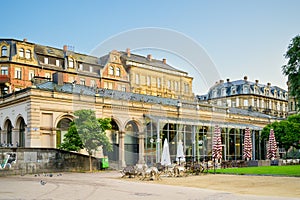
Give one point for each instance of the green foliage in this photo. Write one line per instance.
(72, 141)
(289, 170)
(92, 131)
(287, 132)
(291, 69)
(87, 132)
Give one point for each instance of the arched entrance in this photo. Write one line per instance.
(150, 143)
(61, 129)
(113, 136)
(8, 131)
(20, 142)
(131, 143)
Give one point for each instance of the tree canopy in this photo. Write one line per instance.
(287, 132)
(291, 69)
(87, 132)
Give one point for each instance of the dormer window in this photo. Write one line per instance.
(223, 92)
(233, 90)
(28, 54)
(4, 51)
(111, 70)
(71, 63)
(21, 53)
(118, 71)
(214, 93)
(245, 89)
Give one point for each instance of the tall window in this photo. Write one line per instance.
(82, 81)
(57, 63)
(118, 71)
(169, 84)
(81, 66)
(91, 68)
(71, 63)
(18, 73)
(21, 53)
(137, 79)
(28, 54)
(46, 60)
(4, 70)
(111, 70)
(4, 51)
(186, 88)
(93, 83)
(176, 86)
(148, 80)
(158, 83)
(245, 102)
(30, 75)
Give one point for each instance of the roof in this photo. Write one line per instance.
(152, 62)
(239, 84)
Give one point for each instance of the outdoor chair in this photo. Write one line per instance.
(128, 171)
(151, 173)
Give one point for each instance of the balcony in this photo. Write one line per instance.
(4, 79)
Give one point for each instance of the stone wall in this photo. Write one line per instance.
(18, 161)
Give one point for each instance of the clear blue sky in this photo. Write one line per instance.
(241, 37)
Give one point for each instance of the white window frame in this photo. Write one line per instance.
(46, 60)
(27, 54)
(71, 63)
(57, 63)
(93, 83)
(30, 74)
(158, 83)
(81, 66)
(4, 51)
(111, 70)
(137, 79)
(118, 71)
(91, 69)
(18, 73)
(21, 52)
(4, 70)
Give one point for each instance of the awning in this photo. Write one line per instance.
(185, 121)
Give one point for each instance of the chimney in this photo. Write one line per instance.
(245, 78)
(128, 52)
(25, 40)
(149, 57)
(256, 81)
(65, 48)
(164, 61)
(228, 80)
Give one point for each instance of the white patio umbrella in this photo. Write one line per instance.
(180, 154)
(165, 157)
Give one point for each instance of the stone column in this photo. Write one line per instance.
(122, 162)
(141, 148)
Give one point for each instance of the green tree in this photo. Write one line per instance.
(90, 131)
(291, 69)
(287, 132)
(72, 140)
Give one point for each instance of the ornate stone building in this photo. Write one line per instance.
(248, 95)
(147, 100)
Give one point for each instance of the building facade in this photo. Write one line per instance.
(147, 100)
(248, 95)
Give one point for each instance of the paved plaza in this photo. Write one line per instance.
(109, 185)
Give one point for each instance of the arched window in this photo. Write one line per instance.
(4, 51)
(28, 54)
(111, 70)
(118, 71)
(71, 63)
(21, 53)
